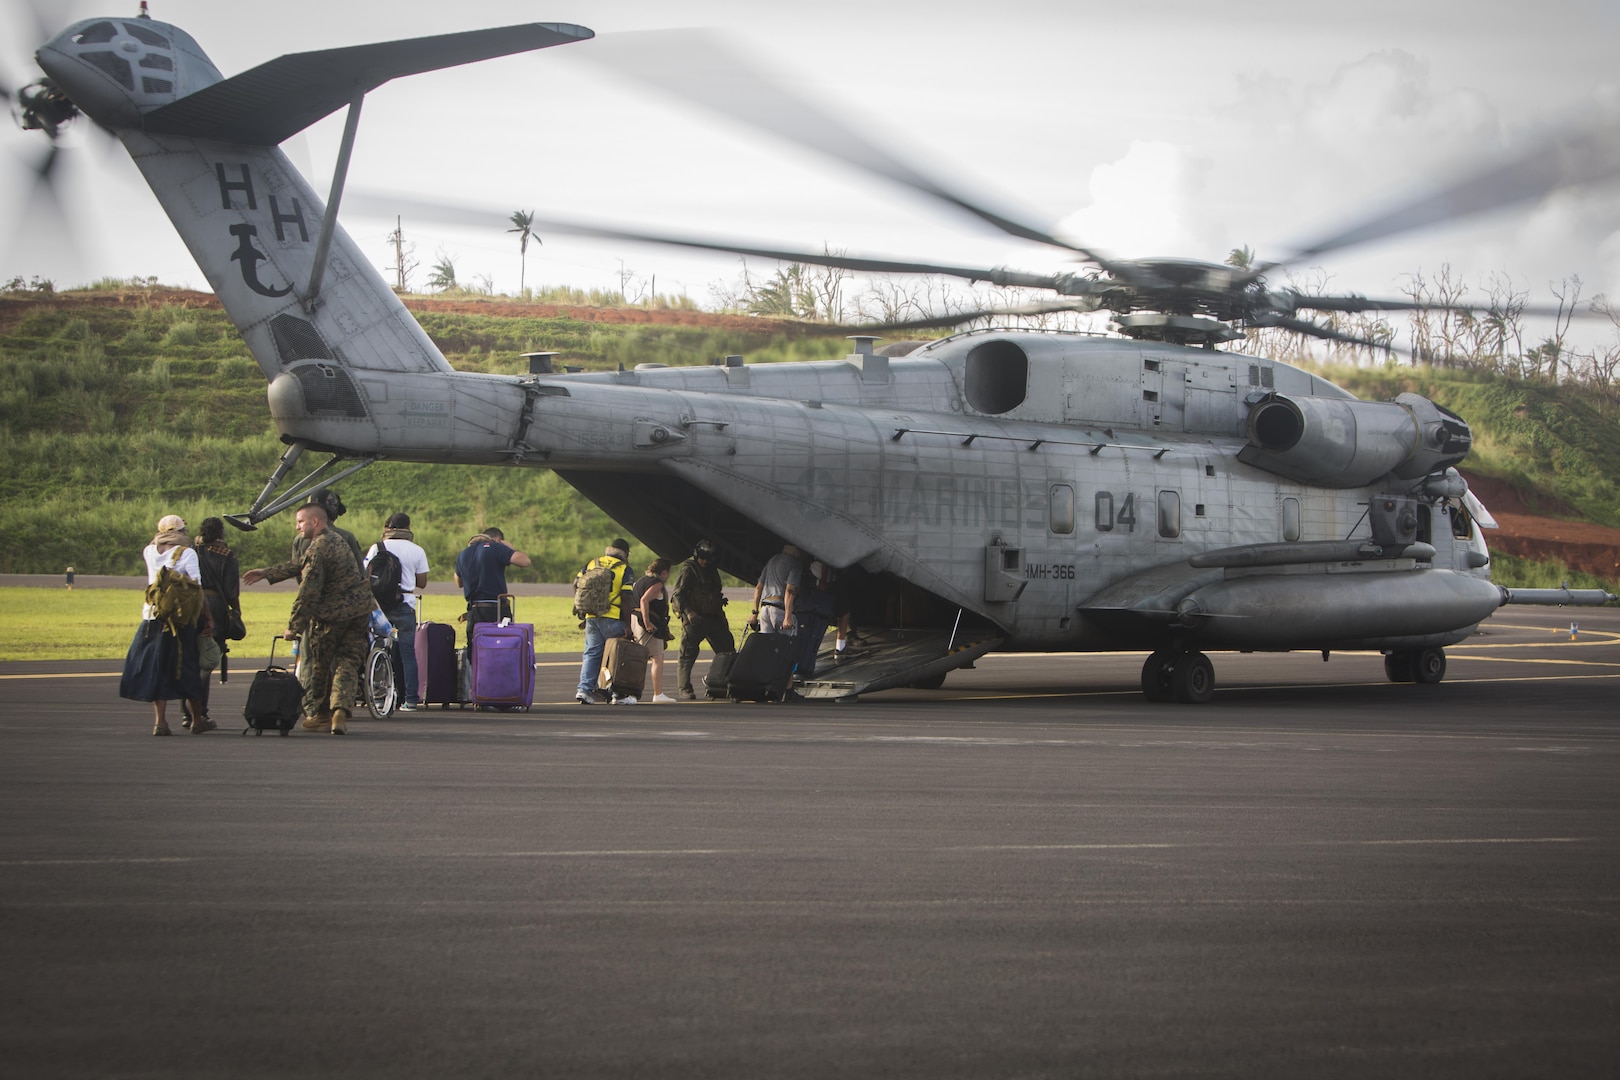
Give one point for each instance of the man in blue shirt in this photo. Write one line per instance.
(481, 573)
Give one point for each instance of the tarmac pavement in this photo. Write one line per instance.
(1032, 872)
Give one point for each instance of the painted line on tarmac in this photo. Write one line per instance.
(773, 852)
(1611, 635)
(95, 862)
(1299, 685)
(1533, 660)
(608, 853)
(68, 675)
(1414, 842)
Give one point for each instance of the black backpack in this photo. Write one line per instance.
(383, 574)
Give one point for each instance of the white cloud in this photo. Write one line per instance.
(1141, 205)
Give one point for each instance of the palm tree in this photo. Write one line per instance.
(444, 273)
(521, 221)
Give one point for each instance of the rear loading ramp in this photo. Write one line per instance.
(887, 659)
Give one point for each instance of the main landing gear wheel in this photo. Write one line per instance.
(1416, 665)
(1193, 678)
(1157, 671)
(1187, 677)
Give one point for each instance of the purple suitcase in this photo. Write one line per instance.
(436, 673)
(501, 665)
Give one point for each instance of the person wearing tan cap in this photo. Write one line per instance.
(162, 661)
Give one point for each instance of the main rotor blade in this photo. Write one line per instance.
(1571, 157)
(1362, 303)
(695, 65)
(378, 204)
(936, 322)
(1326, 333)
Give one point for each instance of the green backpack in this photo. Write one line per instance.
(176, 600)
(593, 590)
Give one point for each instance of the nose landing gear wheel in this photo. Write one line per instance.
(1429, 665)
(1416, 665)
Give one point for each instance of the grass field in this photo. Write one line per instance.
(97, 624)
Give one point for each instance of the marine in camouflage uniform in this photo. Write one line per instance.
(293, 567)
(332, 612)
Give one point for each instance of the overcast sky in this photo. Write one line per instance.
(1150, 128)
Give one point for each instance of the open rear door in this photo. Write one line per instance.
(893, 658)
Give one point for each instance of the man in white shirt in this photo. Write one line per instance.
(413, 566)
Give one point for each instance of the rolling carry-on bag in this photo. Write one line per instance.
(436, 673)
(763, 668)
(624, 667)
(274, 701)
(500, 664)
(714, 683)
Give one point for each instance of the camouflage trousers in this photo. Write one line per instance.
(334, 654)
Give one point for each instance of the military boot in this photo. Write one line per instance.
(340, 721)
(314, 722)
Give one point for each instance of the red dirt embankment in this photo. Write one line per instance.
(12, 309)
(1579, 545)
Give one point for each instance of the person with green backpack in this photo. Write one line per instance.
(601, 590)
(162, 661)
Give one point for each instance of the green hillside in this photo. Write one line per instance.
(1557, 445)
(113, 414)
(115, 411)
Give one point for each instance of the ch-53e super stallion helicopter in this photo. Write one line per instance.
(994, 490)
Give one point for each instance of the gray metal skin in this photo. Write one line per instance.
(1023, 490)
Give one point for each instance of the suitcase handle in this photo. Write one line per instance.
(511, 604)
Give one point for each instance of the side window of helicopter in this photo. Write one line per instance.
(997, 377)
(1169, 514)
(1060, 509)
(1290, 519)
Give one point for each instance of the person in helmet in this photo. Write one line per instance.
(328, 500)
(701, 605)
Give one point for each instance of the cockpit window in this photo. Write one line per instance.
(113, 65)
(145, 36)
(96, 34)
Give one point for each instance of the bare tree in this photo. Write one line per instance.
(826, 285)
(1568, 293)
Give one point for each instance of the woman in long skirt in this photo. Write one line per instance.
(162, 664)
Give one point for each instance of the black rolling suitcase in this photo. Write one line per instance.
(714, 683)
(763, 667)
(275, 699)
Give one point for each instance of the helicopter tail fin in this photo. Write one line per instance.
(267, 104)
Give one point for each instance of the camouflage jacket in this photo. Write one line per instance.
(333, 589)
(292, 567)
